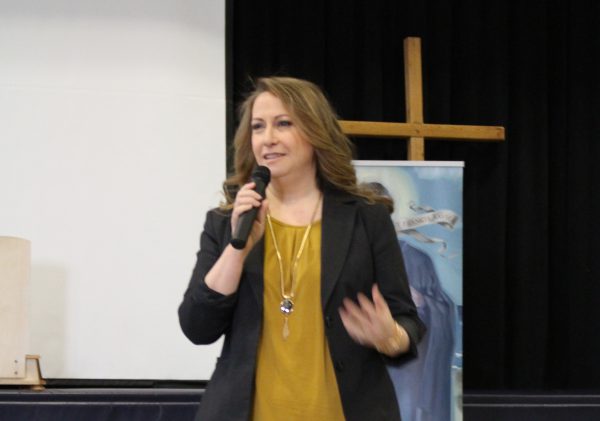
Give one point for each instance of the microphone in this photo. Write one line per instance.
(261, 177)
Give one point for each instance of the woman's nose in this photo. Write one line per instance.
(270, 137)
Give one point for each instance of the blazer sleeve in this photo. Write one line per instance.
(204, 314)
(390, 276)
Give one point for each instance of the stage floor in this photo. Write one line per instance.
(135, 404)
(99, 404)
(531, 407)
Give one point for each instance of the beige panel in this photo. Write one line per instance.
(15, 262)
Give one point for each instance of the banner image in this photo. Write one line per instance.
(428, 218)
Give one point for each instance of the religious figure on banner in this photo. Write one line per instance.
(425, 387)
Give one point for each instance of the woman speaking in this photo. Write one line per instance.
(316, 302)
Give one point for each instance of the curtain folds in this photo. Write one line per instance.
(531, 274)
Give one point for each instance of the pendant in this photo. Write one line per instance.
(286, 329)
(286, 306)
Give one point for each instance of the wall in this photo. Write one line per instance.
(112, 148)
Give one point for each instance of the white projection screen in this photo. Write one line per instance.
(112, 149)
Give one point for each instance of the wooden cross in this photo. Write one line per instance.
(415, 129)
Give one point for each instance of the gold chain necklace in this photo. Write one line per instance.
(286, 306)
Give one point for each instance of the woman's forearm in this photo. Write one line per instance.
(224, 276)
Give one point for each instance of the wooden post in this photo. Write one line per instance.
(413, 84)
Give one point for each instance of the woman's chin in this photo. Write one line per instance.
(272, 165)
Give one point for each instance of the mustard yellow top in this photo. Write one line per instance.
(295, 379)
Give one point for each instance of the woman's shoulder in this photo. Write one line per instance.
(368, 209)
(354, 199)
(219, 212)
(373, 212)
(217, 218)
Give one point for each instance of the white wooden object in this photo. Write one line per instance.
(16, 367)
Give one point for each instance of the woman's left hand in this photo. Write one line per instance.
(370, 322)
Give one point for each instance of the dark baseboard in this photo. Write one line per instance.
(116, 400)
(124, 383)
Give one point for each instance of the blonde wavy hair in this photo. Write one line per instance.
(313, 115)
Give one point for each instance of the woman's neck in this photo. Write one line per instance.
(294, 203)
(290, 193)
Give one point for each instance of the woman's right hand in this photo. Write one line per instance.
(246, 199)
(224, 276)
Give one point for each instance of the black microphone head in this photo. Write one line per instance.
(262, 173)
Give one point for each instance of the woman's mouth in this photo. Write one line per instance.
(272, 156)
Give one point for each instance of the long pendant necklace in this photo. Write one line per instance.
(286, 306)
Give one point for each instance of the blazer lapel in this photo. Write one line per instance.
(336, 227)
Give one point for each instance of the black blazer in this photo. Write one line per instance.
(359, 247)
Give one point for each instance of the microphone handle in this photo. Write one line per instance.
(246, 220)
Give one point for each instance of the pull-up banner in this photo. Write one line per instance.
(428, 218)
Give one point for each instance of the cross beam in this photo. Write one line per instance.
(433, 131)
(415, 129)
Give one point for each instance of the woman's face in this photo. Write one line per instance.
(277, 142)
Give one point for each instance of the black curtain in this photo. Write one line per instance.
(531, 274)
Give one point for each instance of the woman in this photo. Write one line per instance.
(317, 301)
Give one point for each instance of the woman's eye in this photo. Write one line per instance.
(256, 126)
(284, 123)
